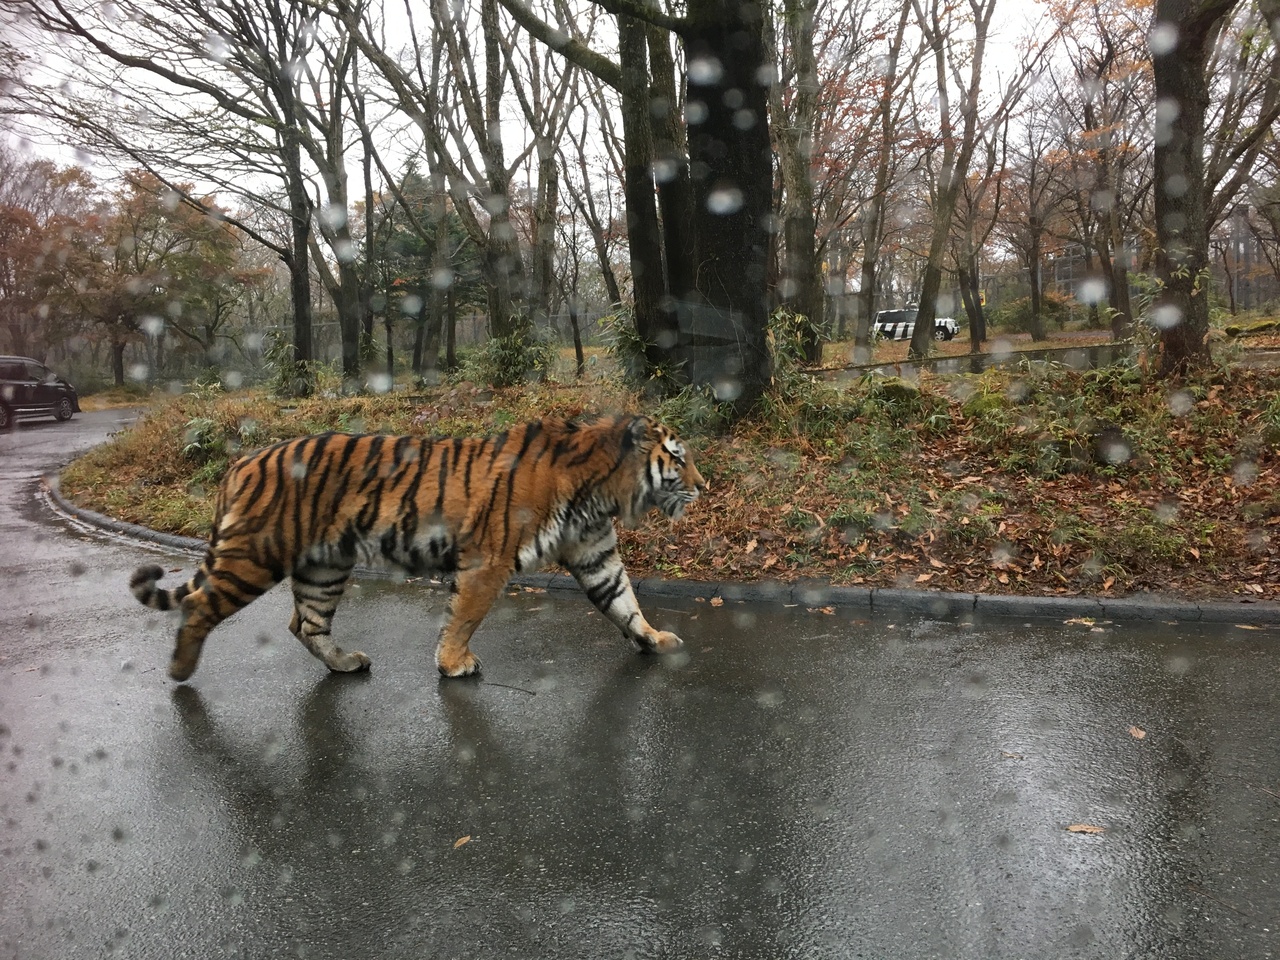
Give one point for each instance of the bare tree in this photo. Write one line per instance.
(960, 67)
(239, 114)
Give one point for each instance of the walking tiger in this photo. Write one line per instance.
(481, 508)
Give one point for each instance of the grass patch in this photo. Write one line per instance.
(1034, 480)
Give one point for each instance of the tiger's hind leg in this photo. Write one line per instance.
(316, 592)
(474, 592)
(229, 586)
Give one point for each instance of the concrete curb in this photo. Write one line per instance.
(809, 593)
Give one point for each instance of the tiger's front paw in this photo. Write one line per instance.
(463, 665)
(658, 641)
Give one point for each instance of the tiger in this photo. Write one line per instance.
(479, 508)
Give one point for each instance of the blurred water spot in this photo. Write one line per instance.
(727, 389)
(1166, 316)
(1181, 402)
(705, 71)
(724, 201)
(1093, 290)
(1162, 39)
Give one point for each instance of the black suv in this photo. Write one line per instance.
(30, 389)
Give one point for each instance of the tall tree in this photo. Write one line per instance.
(212, 90)
(1183, 35)
(721, 320)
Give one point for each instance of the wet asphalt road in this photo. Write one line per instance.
(797, 785)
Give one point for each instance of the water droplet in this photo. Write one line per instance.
(664, 171)
(332, 216)
(1093, 290)
(727, 389)
(705, 71)
(1244, 473)
(1166, 316)
(1181, 403)
(1162, 39)
(695, 112)
(410, 305)
(725, 201)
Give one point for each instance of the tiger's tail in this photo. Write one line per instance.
(143, 583)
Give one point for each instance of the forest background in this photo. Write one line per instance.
(319, 194)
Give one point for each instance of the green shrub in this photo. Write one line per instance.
(1015, 315)
(517, 358)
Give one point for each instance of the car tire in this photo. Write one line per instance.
(63, 409)
(6, 419)
(941, 333)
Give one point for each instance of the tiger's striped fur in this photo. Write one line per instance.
(481, 508)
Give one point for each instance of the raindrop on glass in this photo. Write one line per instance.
(1166, 316)
(1162, 39)
(1093, 290)
(1181, 403)
(705, 71)
(725, 201)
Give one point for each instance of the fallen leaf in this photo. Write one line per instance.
(1107, 583)
(1085, 828)
(936, 564)
(752, 544)
(924, 578)
(461, 840)
(1247, 626)
(1194, 552)
(1082, 621)
(1011, 756)
(717, 601)
(1137, 733)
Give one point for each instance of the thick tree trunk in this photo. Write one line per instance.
(653, 320)
(931, 284)
(1181, 310)
(724, 329)
(675, 189)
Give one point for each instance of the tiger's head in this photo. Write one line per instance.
(664, 475)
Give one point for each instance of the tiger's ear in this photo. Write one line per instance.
(637, 431)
